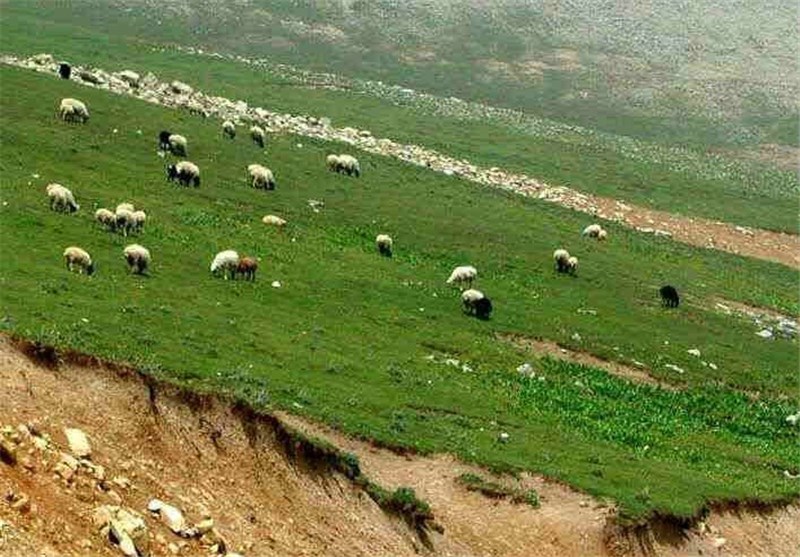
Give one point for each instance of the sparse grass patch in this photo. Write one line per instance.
(494, 490)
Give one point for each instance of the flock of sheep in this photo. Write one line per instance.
(228, 263)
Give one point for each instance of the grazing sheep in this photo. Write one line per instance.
(669, 296)
(228, 129)
(139, 218)
(61, 199)
(247, 267)
(64, 70)
(384, 244)
(73, 110)
(463, 275)
(130, 77)
(332, 162)
(273, 220)
(138, 258)
(125, 206)
(476, 303)
(561, 257)
(185, 173)
(261, 177)
(602, 235)
(258, 136)
(572, 265)
(225, 263)
(106, 218)
(163, 140)
(592, 230)
(177, 145)
(348, 164)
(125, 221)
(181, 88)
(76, 257)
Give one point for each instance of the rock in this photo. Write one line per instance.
(170, 516)
(114, 497)
(694, 352)
(8, 452)
(124, 528)
(66, 467)
(526, 370)
(204, 526)
(764, 333)
(173, 548)
(21, 503)
(122, 539)
(504, 437)
(719, 542)
(78, 443)
(673, 367)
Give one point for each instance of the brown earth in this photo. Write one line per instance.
(211, 458)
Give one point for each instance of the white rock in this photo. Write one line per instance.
(526, 370)
(170, 515)
(504, 437)
(764, 333)
(694, 352)
(719, 542)
(674, 368)
(276, 284)
(78, 443)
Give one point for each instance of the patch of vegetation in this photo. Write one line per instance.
(494, 490)
(374, 319)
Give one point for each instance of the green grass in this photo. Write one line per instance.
(675, 179)
(494, 490)
(348, 337)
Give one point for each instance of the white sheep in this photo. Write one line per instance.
(61, 199)
(139, 219)
(228, 129)
(257, 135)
(274, 220)
(185, 173)
(462, 275)
(592, 230)
(225, 263)
(602, 235)
(125, 221)
(73, 110)
(349, 165)
(76, 257)
(332, 162)
(106, 218)
(125, 206)
(177, 145)
(561, 256)
(261, 177)
(384, 244)
(572, 265)
(138, 258)
(793, 419)
(130, 77)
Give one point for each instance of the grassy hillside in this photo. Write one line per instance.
(680, 180)
(362, 341)
(711, 74)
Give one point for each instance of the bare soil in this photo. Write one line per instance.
(209, 458)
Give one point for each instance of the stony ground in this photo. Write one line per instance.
(95, 462)
(762, 244)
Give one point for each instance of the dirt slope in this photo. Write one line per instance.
(210, 459)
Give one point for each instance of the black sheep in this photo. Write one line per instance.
(669, 296)
(64, 70)
(163, 140)
(483, 308)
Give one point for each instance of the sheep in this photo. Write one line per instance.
(348, 164)
(185, 173)
(80, 258)
(602, 235)
(228, 129)
(163, 140)
(257, 135)
(464, 274)
(225, 263)
(332, 162)
(125, 221)
(572, 265)
(261, 177)
(669, 296)
(73, 110)
(561, 257)
(384, 244)
(139, 218)
(274, 220)
(130, 77)
(247, 267)
(61, 199)
(106, 218)
(64, 70)
(125, 206)
(476, 303)
(592, 230)
(177, 145)
(138, 258)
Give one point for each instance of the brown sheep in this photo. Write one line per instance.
(247, 267)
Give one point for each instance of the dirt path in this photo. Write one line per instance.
(762, 244)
